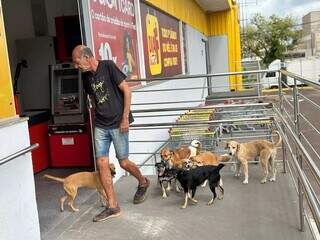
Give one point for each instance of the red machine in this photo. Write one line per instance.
(70, 145)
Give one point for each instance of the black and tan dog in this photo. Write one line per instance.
(166, 175)
(77, 180)
(190, 179)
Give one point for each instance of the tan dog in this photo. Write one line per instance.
(176, 157)
(209, 159)
(77, 180)
(249, 151)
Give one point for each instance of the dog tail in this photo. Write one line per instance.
(53, 178)
(224, 158)
(219, 167)
(277, 144)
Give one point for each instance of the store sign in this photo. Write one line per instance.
(114, 36)
(161, 41)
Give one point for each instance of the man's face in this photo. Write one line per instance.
(81, 62)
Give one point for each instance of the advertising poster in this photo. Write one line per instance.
(161, 41)
(114, 36)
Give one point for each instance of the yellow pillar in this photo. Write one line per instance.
(7, 108)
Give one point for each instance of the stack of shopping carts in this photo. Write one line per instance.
(183, 135)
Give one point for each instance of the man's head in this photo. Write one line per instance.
(83, 59)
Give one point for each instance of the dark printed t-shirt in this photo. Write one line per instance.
(109, 99)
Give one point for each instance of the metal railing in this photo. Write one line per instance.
(300, 156)
(18, 153)
(295, 155)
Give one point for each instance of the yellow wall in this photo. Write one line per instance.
(213, 24)
(226, 23)
(7, 108)
(187, 11)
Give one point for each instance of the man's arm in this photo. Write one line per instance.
(124, 87)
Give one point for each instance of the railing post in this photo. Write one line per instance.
(258, 84)
(284, 153)
(297, 130)
(209, 84)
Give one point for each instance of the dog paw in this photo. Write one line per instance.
(183, 207)
(237, 175)
(75, 209)
(194, 200)
(263, 181)
(272, 179)
(245, 182)
(220, 197)
(164, 196)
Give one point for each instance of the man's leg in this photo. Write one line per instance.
(102, 145)
(106, 180)
(132, 168)
(121, 146)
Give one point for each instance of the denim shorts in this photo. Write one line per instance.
(103, 139)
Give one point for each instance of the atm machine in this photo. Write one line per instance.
(69, 135)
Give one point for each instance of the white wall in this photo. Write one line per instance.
(18, 211)
(18, 25)
(218, 51)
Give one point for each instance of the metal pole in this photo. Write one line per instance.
(284, 153)
(299, 157)
(258, 83)
(89, 104)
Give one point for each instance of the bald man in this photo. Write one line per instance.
(106, 84)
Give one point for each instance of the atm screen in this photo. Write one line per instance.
(69, 85)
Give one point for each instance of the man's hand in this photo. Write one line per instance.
(124, 125)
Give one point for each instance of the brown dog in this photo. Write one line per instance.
(209, 159)
(249, 151)
(77, 180)
(176, 157)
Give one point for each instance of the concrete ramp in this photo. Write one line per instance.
(248, 212)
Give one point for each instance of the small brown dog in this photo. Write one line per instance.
(209, 159)
(77, 180)
(249, 151)
(176, 157)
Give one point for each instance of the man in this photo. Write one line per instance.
(106, 84)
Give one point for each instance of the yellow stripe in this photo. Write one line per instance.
(7, 108)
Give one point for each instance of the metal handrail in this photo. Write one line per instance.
(314, 168)
(201, 108)
(200, 122)
(313, 202)
(200, 76)
(301, 79)
(18, 153)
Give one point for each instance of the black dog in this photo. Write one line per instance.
(166, 175)
(192, 178)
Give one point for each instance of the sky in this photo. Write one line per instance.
(295, 8)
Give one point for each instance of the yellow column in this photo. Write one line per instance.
(7, 108)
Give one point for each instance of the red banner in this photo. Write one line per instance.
(114, 36)
(161, 41)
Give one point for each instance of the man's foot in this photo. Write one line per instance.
(141, 193)
(107, 213)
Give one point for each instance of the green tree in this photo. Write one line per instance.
(269, 38)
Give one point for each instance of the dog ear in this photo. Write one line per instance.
(227, 145)
(238, 146)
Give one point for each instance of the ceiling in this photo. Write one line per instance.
(213, 5)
